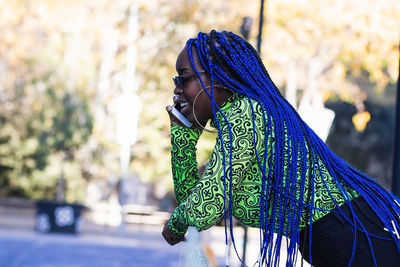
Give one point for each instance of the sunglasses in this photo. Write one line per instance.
(180, 80)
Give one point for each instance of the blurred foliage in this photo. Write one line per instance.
(63, 65)
(370, 150)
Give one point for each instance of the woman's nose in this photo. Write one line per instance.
(178, 90)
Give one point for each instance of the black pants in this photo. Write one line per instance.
(332, 240)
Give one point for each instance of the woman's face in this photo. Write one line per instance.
(191, 87)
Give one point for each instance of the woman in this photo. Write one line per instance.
(268, 168)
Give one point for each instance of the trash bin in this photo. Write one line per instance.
(57, 217)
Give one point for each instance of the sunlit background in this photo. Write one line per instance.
(84, 85)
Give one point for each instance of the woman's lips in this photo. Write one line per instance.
(184, 107)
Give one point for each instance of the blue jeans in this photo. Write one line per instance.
(332, 240)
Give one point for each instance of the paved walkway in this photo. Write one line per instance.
(96, 245)
(38, 250)
(103, 246)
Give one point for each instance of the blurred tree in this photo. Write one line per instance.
(44, 106)
(350, 40)
(371, 150)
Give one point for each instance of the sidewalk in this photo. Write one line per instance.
(96, 245)
(104, 245)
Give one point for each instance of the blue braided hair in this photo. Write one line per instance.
(235, 64)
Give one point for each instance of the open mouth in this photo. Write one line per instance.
(182, 107)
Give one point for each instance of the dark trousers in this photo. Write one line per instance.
(332, 240)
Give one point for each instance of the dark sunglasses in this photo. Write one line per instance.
(180, 80)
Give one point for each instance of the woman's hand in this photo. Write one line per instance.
(173, 119)
(170, 237)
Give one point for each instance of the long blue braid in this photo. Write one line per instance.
(235, 64)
